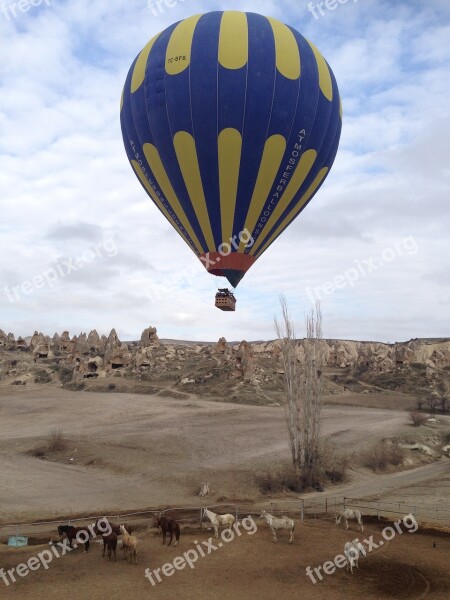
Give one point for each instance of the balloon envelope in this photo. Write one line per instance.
(231, 122)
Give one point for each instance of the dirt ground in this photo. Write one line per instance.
(250, 567)
(128, 451)
(131, 452)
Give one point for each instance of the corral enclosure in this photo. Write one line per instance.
(411, 566)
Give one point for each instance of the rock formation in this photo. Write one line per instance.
(221, 347)
(96, 345)
(149, 338)
(82, 345)
(244, 363)
(417, 367)
(117, 355)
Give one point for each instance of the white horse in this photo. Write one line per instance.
(278, 523)
(217, 520)
(349, 514)
(352, 551)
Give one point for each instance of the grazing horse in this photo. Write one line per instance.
(73, 533)
(349, 514)
(110, 542)
(129, 543)
(217, 520)
(278, 523)
(167, 524)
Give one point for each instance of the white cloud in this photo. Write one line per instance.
(65, 182)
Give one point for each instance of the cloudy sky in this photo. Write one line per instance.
(373, 244)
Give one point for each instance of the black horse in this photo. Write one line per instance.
(167, 524)
(81, 534)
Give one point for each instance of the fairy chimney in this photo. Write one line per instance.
(149, 338)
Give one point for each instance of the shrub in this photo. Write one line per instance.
(56, 442)
(42, 376)
(275, 480)
(75, 386)
(417, 418)
(332, 467)
(418, 366)
(65, 375)
(332, 464)
(382, 455)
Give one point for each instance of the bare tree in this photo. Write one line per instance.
(303, 386)
(431, 403)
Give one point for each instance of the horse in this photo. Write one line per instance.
(278, 523)
(167, 524)
(110, 542)
(352, 551)
(349, 514)
(129, 543)
(72, 533)
(225, 520)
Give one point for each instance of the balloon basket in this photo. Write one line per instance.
(225, 300)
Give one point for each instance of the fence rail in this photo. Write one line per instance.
(300, 508)
(381, 508)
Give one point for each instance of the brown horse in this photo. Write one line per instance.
(81, 534)
(167, 524)
(110, 542)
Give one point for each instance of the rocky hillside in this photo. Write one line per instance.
(241, 372)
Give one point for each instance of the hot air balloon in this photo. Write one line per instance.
(231, 122)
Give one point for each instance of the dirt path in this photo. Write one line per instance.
(395, 485)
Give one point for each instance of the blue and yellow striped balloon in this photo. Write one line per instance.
(231, 121)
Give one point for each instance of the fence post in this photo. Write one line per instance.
(326, 506)
(344, 502)
(201, 518)
(378, 510)
(302, 510)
